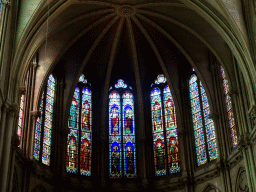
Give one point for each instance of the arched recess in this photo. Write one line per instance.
(235, 42)
(211, 188)
(39, 188)
(241, 181)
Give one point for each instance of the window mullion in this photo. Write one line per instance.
(122, 136)
(79, 129)
(42, 125)
(164, 130)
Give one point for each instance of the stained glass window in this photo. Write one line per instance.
(229, 108)
(122, 147)
(21, 117)
(22, 113)
(79, 141)
(42, 148)
(204, 130)
(164, 128)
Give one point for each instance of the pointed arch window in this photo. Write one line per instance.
(122, 147)
(230, 113)
(79, 141)
(164, 128)
(20, 129)
(204, 130)
(43, 131)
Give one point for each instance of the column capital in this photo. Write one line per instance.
(15, 140)
(233, 92)
(34, 64)
(214, 115)
(11, 107)
(22, 89)
(252, 116)
(35, 114)
(6, 2)
(244, 140)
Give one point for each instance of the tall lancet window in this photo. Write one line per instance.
(229, 108)
(164, 128)
(204, 130)
(20, 129)
(122, 147)
(79, 141)
(42, 149)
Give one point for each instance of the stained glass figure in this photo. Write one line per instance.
(164, 128)
(171, 132)
(79, 141)
(128, 135)
(86, 115)
(229, 108)
(72, 143)
(204, 130)
(122, 147)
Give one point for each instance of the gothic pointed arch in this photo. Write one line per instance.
(203, 125)
(79, 140)
(164, 128)
(43, 130)
(122, 144)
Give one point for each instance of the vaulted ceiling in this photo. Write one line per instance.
(133, 40)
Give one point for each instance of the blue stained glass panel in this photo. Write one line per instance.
(86, 144)
(115, 148)
(171, 132)
(129, 136)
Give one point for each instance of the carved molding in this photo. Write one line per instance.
(211, 188)
(252, 116)
(35, 114)
(242, 181)
(234, 161)
(15, 140)
(208, 176)
(6, 2)
(233, 92)
(244, 140)
(214, 116)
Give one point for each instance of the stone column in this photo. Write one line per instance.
(5, 165)
(187, 134)
(3, 24)
(246, 128)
